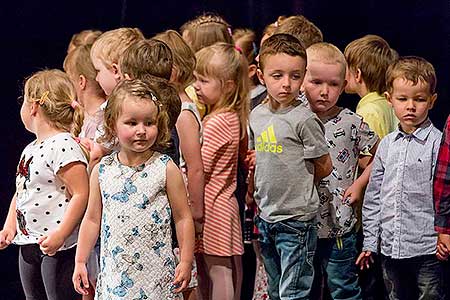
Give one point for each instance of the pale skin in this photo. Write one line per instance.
(74, 177)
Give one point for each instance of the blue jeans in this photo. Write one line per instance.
(335, 259)
(413, 278)
(287, 248)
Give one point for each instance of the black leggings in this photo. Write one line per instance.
(46, 277)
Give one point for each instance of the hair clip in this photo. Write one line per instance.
(229, 31)
(276, 24)
(156, 101)
(255, 49)
(74, 104)
(238, 49)
(43, 98)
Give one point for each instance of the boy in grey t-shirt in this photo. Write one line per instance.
(291, 155)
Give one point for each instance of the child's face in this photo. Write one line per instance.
(208, 89)
(107, 77)
(322, 85)
(411, 102)
(283, 75)
(25, 114)
(136, 127)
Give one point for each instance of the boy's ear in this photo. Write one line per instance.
(358, 77)
(82, 82)
(116, 71)
(432, 100)
(252, 69)
(260, 76)
(388, 97)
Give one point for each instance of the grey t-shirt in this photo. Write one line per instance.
(285, 140)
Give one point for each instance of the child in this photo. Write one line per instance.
(79, 67)
(222, 83)
(398, 205)
(85, 37)
(189, 129)
(347, 136)
(368, 59)
(291, 154)
(51, 188)
(133, 194)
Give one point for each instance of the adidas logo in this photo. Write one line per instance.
(267, 142)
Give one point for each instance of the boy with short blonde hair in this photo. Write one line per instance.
(302, 28)
(398, 205)
(347, 136)
(368, 59)
(291, 154)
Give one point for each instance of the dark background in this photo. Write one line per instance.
(35, 35)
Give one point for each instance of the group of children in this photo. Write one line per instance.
(133, 186)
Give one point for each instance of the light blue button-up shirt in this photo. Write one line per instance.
(398, 204)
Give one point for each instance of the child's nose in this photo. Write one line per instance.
(324, 89)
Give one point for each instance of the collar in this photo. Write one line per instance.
(420, 133)
(258, 90)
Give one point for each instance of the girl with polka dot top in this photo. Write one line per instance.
(51, 188)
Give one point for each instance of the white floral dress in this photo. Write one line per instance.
(137, 261)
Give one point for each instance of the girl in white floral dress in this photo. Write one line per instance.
(132, 197)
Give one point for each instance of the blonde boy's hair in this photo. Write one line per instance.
(85, 37)
(110, 46)
(140, 91)
(372, 55)
(78, 62)
(327, 53)
(281, 43)
(414, 69)
(183, 56)
(206, 30)
(224, 62)
(54, 92)
(145, 57)
(301, 28)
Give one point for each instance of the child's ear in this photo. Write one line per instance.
(34, 108)
(116, 71)
(260, 76)
(388, 97)
(358, 77)
(82, 82)
(252, 69)
(229, 86)
(344, 84)
(432, 100)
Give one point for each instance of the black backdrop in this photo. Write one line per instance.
(35, 35)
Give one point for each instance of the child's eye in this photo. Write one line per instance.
(296, 77)
(276, 76)
(149, 123)
(401, 98)
(131, 123)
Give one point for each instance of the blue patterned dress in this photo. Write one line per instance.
(137, 261)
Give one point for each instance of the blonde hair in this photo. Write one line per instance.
(139, 90)
(327, 53)
(245, 39)
(147, 57)
(270, 29)
(183, 56)
(229, 64)
(301, 28)
(281, 43)
(85, 37)
(54, 92)
(206, 30)
(372, 55)
(110, 46)
(414, 69)
(78, 62)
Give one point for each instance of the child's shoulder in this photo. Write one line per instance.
(225, 118)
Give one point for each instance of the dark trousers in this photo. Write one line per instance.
(46, 277)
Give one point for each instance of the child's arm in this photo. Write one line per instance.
(9, 228)
(87, 237)
(75, 178)
(322, 167)
(355, 192)
(96, 154)
(184, 225)
(251, 161)
(188, 133)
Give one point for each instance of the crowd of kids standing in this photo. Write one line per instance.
(207, 164)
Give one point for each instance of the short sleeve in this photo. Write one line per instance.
(312, 134)
(65, 151)
(367, 138)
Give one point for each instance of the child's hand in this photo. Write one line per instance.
(80, 279)
(182, 276)
(250, 159)
(443, 246)
(51, 243)
(353, 194)
(364, 260)
(6, 237)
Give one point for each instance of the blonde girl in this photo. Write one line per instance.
(51, 188)
(222, 83)
(133, 194)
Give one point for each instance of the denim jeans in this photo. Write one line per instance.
(335, 259)
(287, 248)
(413, 278)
